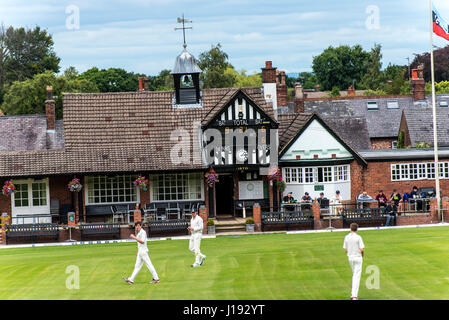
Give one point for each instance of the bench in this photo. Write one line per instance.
(287, 218)
(168, 225)
(363, 215)
(32, 231)
(99, 229)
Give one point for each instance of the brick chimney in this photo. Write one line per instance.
(281, 90)
(418, 83)
(140, 84)
(351, 91)
(50, 109)
(299, 98)
(268, 73)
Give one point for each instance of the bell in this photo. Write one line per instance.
(186, 79)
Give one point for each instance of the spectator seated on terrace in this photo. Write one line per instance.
(289, 199)
(324, 203)
(363, 199)
(390, 212)
(336, 202)
(396, 198)
(306, 202)
(381, 199)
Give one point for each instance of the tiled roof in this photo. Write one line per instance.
(420, 125)
(28, 132)
(354, 131)
(123, 132)
(289, 126)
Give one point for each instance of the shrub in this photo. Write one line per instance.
(249, 221)
(210, 222)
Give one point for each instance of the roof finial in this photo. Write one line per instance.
(183, 21)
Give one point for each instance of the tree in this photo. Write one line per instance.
(441, 64)
(28, 96)
(112, 79)
(335, 92)
(244, 80)
(25, 53)
(163, 81)
(307, 79)
(340, 66)
(214, 63)
(373, 77)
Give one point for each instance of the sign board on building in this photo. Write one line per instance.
(250, 190)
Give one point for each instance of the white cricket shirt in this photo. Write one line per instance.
(142, 247)
(197, 224)
(353, 242)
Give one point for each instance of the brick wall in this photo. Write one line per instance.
(357, 179)
(382, 143)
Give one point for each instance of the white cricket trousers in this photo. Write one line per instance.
(356, 266)
(194, 246)
(142, 257)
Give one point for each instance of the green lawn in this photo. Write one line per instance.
(413, 264)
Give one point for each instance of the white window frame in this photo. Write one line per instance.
(87, 188)
(153, 191)
(370, 105)
(418, 171)
(336, 174)
(31, 209)
(392, 104)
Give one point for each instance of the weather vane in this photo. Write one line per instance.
(184, 21)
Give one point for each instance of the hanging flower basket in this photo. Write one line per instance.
(142, 183)
(211, 177)
(75, 185)
(8, 188)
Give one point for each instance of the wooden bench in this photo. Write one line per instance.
(168, 225)
(99, 229)
(287, 218)
(363, 215)
(32, 231)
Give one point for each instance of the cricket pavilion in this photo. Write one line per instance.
(174, 139)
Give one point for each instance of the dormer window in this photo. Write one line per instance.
(393, 104)
(443, 103)
(372, 105)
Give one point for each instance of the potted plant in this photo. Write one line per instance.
(249, 225)
(8, 188)
(142, 183)
(75, 185)
(210, 226)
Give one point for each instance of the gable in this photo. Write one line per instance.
(241, 110)
(316, 139)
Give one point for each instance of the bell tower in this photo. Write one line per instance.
(186, 73)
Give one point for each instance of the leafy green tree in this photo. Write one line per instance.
(373, 77)
(244, 80)
(25, 53)
(28, 96)
(335, 92)
(112, 79)
(163, 81)
(214, 63)
(340, 66)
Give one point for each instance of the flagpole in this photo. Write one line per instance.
(435, 138)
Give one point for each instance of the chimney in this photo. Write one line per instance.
(418, 83)
(146, 85)
(50, 109)
(299, 98)
(351, 91)
(140, 84)
(281, 90)
(268, 73)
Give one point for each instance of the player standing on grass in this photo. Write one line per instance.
(142, 255)
(355, 249)
(196, 230)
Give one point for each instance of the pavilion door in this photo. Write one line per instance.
(224, 195)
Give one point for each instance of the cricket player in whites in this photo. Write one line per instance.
(196, 230)
(142, 255)
(355, 249)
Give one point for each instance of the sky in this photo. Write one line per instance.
(139, 35)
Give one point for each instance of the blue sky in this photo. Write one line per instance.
(139, 36)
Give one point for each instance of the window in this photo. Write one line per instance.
(103, 189)
(172, 187)
(443, 104)
(418, 171)
(287, 175)
(32, 196)
(21, 195)
(324, 174)
(316, 174)
(39, 190)
(372, 105)
(394, 145)
(392, 104)
(308, 174)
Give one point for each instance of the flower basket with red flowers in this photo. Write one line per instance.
(142, 183)
(8, 188)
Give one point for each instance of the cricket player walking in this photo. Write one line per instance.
(355, 249)
(142, 255)
(196, 230)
